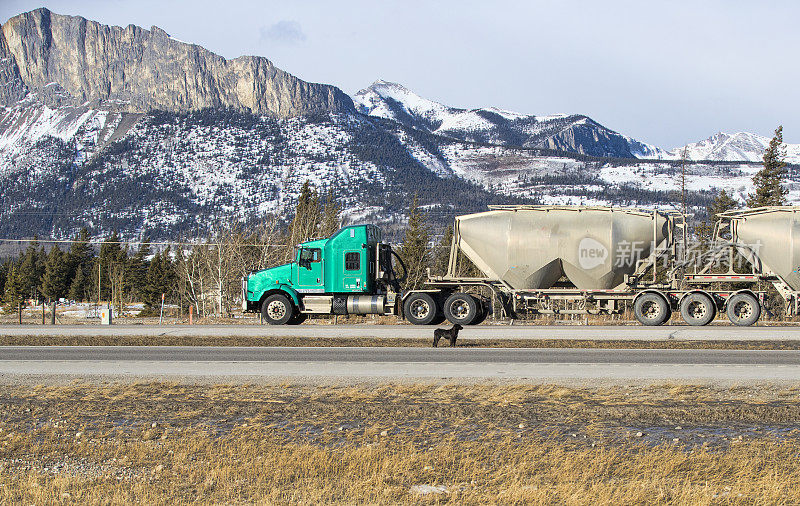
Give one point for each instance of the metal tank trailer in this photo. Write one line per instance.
(599, 260)
(768, 238)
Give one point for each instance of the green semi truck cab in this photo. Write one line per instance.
(348, 273)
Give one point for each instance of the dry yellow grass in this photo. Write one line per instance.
(512, 444)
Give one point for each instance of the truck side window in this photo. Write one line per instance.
(352, 261)
(310, 255)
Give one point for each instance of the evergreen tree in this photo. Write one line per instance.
(330, 215)
(415, 251)
(137, 271)
(56, 270)
(767, 181)
(153, 282)
(81, 256)
(442, 252)
(79, 287)
(464, 266)
(305, 224)
(14, 291)
(3, 275)
(722, 203)
(29, 271)
(161, 278)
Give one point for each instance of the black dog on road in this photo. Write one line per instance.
(451, 334)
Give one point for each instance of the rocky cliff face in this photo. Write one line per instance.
(70, 59)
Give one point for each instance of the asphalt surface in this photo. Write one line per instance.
(398, 363)
(626, 332)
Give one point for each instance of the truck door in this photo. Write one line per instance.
(309, 269)
(353, 275)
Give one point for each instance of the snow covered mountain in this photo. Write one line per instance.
(574, 133)
(179, 169)
(741, 146)
(564, 132)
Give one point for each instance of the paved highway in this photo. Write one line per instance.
(398, 363)
(631, 332)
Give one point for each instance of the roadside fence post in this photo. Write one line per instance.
(53, 314)
(161, 316)
(191, 313)
(43, 307)
(20, 313)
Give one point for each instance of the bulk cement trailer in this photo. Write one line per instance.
(600, 260)
(547, 260)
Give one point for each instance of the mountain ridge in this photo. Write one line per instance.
(72, 60)
(739, 146)
(575, 133)
(569, 132)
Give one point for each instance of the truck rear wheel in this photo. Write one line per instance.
(698, 309)
(461, 308)
(420, 309)
(743, 309)
(277, 309)
(651, 309)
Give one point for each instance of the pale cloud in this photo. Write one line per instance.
(283, 32)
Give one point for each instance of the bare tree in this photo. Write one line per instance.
(212, 270)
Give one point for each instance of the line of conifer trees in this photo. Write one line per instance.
(204, 272)
(121, 274)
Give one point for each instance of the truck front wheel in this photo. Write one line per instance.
(277, 309)
(420, 309)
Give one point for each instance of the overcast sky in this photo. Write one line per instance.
(664, 72)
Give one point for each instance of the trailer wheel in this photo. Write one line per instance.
(743, 309)
(698, 309)
(277, 309)
(420, 309)
(651, 309)
(461, 308)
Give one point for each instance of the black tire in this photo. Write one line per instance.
(698, 309)
(484, 309)
(461, 308)
(420, 309)
(277, 309)
(743, 309)
(651, 309)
